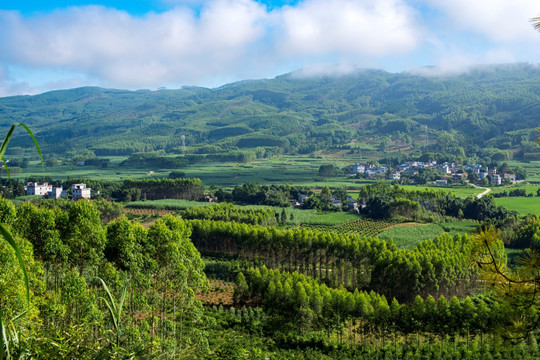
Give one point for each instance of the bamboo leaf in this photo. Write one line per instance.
(111, 311)
(115, 309)
(122, 299)
(111, 298)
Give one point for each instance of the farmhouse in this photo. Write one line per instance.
(57, 192)
(38, 188)
(496, 179)
(511, 177)
(80, 191)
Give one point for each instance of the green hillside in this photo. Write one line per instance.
(490, 111)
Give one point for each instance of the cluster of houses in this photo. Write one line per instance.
(450, 171)
(78, 191)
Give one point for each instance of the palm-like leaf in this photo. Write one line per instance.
(115, 308)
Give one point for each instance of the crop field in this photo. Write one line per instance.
(532, 167)
(461, 191)
(301, 216)
(114, 172)
(362, 227)
(459, 227)
(523, 205)
(409, 235)
(297, 170)
(529, 188)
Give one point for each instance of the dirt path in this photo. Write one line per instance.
(486, 191)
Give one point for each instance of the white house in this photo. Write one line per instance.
(496, 179)
(80, 191)
(358, 168)
(57, 192)
(396, 175)
(37, 188)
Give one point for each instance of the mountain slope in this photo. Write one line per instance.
(489, 106)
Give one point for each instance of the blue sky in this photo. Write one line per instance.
(57, 44)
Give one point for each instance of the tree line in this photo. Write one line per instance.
(228, 212)
(439, 266)
(383, 201)
(303, 303)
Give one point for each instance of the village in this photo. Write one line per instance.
(450, 173)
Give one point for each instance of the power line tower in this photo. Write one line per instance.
(184, 144)
(425, 136)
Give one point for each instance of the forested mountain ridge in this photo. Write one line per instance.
(489, 106)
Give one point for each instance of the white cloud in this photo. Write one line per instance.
(209, 42)
(135, 51)
(361, 27)
(499, 20)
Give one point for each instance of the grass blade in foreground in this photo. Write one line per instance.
(115, 309)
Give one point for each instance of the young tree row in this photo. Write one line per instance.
(438, 266)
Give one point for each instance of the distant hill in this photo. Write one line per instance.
(495, 107)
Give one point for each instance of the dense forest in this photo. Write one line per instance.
(489, 111)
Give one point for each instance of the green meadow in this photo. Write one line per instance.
(529, 188)
(280, 170)
(523, 205)
(458, 190)
(409, 235)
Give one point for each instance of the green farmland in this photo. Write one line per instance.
(409, 235)
(523, 205)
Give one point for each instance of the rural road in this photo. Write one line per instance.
(485, 192)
